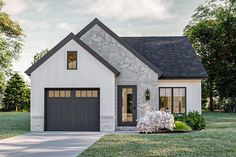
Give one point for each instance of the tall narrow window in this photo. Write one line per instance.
(173, 99)
(166, 99)
(72, 60)
(179, 100)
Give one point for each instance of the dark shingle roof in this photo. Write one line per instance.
(174, 56)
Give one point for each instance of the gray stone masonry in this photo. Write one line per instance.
(133, 70)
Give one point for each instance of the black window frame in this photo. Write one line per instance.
(68, 60)
(172, 98)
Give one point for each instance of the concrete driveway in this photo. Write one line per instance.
(48, 144)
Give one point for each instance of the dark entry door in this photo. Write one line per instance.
(127, 105)
(72, 110)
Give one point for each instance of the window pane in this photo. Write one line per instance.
(179, 100)
(89, 93)
(95, 93)
(62, 93)
(127, 101)
(77, 93)
(165, 99)
(56, 93)
(72, 59)
(67, 93)
(50, 93)
(83, 93)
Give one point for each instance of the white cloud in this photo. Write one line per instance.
(32, 25)
(15, 6)
(130, 9)
(66, 27)
(40, 7)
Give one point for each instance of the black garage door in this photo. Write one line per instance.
(72, 110)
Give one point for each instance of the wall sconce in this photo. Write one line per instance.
(147, 95)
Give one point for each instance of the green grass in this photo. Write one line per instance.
(13, 123)
(218, 140)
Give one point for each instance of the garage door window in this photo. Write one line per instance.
(86, 93)
(59, 93)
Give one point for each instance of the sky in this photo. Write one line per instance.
(47, 22)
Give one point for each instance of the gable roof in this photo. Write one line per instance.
(69, 37)
(117, 38)
(174, 56)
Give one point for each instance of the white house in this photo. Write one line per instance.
(96, 80)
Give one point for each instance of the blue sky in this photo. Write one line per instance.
(46, 22)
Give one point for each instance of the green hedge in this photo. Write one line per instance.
(193, 119)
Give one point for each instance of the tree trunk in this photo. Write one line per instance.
(16, 108)
(211, 103)
(211, 106)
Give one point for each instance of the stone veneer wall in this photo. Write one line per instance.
(133, 71)
(37, 123)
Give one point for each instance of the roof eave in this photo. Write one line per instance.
(69, 37)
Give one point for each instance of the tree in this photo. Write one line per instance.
(212, 31)
(11, 42)
(16, 93)
(39, 55)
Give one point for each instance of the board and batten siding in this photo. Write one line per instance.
(90, 73)
(193, 92)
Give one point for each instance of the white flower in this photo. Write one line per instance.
(155, 120)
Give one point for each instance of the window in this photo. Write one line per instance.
(165, 99)
(173, 99)
(58, 93)
(86, 93)
(127, 103)
(72, 60)
(179, 100)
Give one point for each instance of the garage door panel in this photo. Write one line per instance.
(92, 118)
(80, 120)
(53, 120)
(65, 115)
(79, 111)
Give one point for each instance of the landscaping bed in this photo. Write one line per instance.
(170, 132)
(157, 122)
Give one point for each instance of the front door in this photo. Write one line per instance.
(127, 105)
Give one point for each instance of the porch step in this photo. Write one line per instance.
(126, 128)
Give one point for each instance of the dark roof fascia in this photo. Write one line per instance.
(117, 38)
(183, 78)
(60, 45)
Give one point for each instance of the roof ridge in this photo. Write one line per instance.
(122, 42)
(182, 36)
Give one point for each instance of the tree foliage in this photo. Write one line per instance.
(16, 94)
(212, 31)
(11, 43)
(39, 55)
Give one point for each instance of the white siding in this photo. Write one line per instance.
(193, 90)
(90, 73)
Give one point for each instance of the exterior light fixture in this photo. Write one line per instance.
(147, 95)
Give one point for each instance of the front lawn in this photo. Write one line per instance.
(219, 139)
(13, 123)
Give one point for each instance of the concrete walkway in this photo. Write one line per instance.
(48, 144)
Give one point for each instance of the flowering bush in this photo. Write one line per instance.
(155, 120)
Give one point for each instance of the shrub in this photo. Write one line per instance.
(182, 126)
(193, 119)
(155, 120)
(26, 107)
